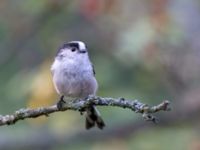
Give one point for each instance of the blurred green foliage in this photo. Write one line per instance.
(146, 50)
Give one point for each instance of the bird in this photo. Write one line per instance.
(74, 78)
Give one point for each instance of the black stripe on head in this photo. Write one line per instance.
(76, 45)
(69, 45)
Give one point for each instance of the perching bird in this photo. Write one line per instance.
(74, 78)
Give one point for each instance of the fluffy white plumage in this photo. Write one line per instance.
(73, 73)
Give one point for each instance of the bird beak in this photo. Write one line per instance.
(82, 50)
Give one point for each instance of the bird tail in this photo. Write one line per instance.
(93, 117)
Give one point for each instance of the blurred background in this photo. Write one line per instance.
(141, 49)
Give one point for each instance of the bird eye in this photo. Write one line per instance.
(73, 49)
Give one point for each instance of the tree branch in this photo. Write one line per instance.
(79, 105)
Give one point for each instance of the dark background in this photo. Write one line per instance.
(141, 49)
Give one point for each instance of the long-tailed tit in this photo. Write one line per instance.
(74, 78)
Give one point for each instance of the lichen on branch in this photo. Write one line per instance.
(79, 105)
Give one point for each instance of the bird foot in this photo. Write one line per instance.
(60, 103)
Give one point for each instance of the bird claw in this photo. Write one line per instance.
(60, 103)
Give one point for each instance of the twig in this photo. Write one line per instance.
(79, 105)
